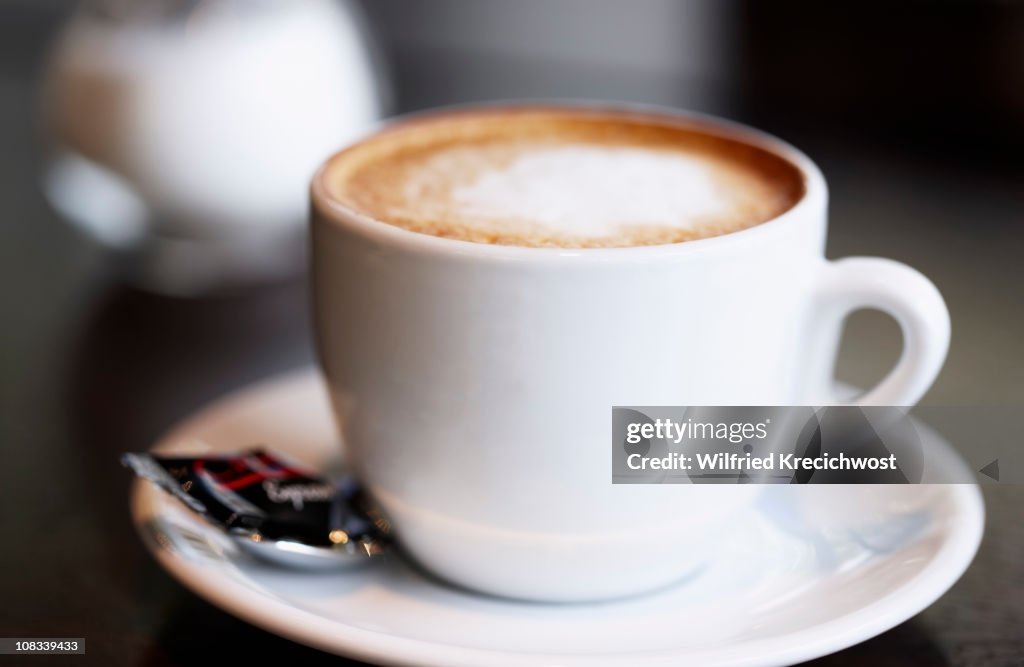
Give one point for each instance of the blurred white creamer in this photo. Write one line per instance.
(188, 130)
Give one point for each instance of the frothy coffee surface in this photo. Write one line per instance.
(569, 178)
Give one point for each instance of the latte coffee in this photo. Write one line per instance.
(471, 383)
(562, 177)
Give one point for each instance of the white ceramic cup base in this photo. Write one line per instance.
(647, 560)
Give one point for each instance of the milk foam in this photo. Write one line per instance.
(550, 177)
(594, 190)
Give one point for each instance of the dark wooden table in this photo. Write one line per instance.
(71, 564)
(90, 369)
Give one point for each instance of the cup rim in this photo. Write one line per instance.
(815, 194)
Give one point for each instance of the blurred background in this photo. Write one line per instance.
(152, 178)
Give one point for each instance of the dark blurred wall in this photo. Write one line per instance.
(943, 76)
(946, 75)
(940, 73)
(657, 51)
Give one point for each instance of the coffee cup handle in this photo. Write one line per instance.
(911, 299)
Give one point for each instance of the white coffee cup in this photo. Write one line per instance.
(473, 383)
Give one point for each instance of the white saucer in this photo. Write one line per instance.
(815, 570)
